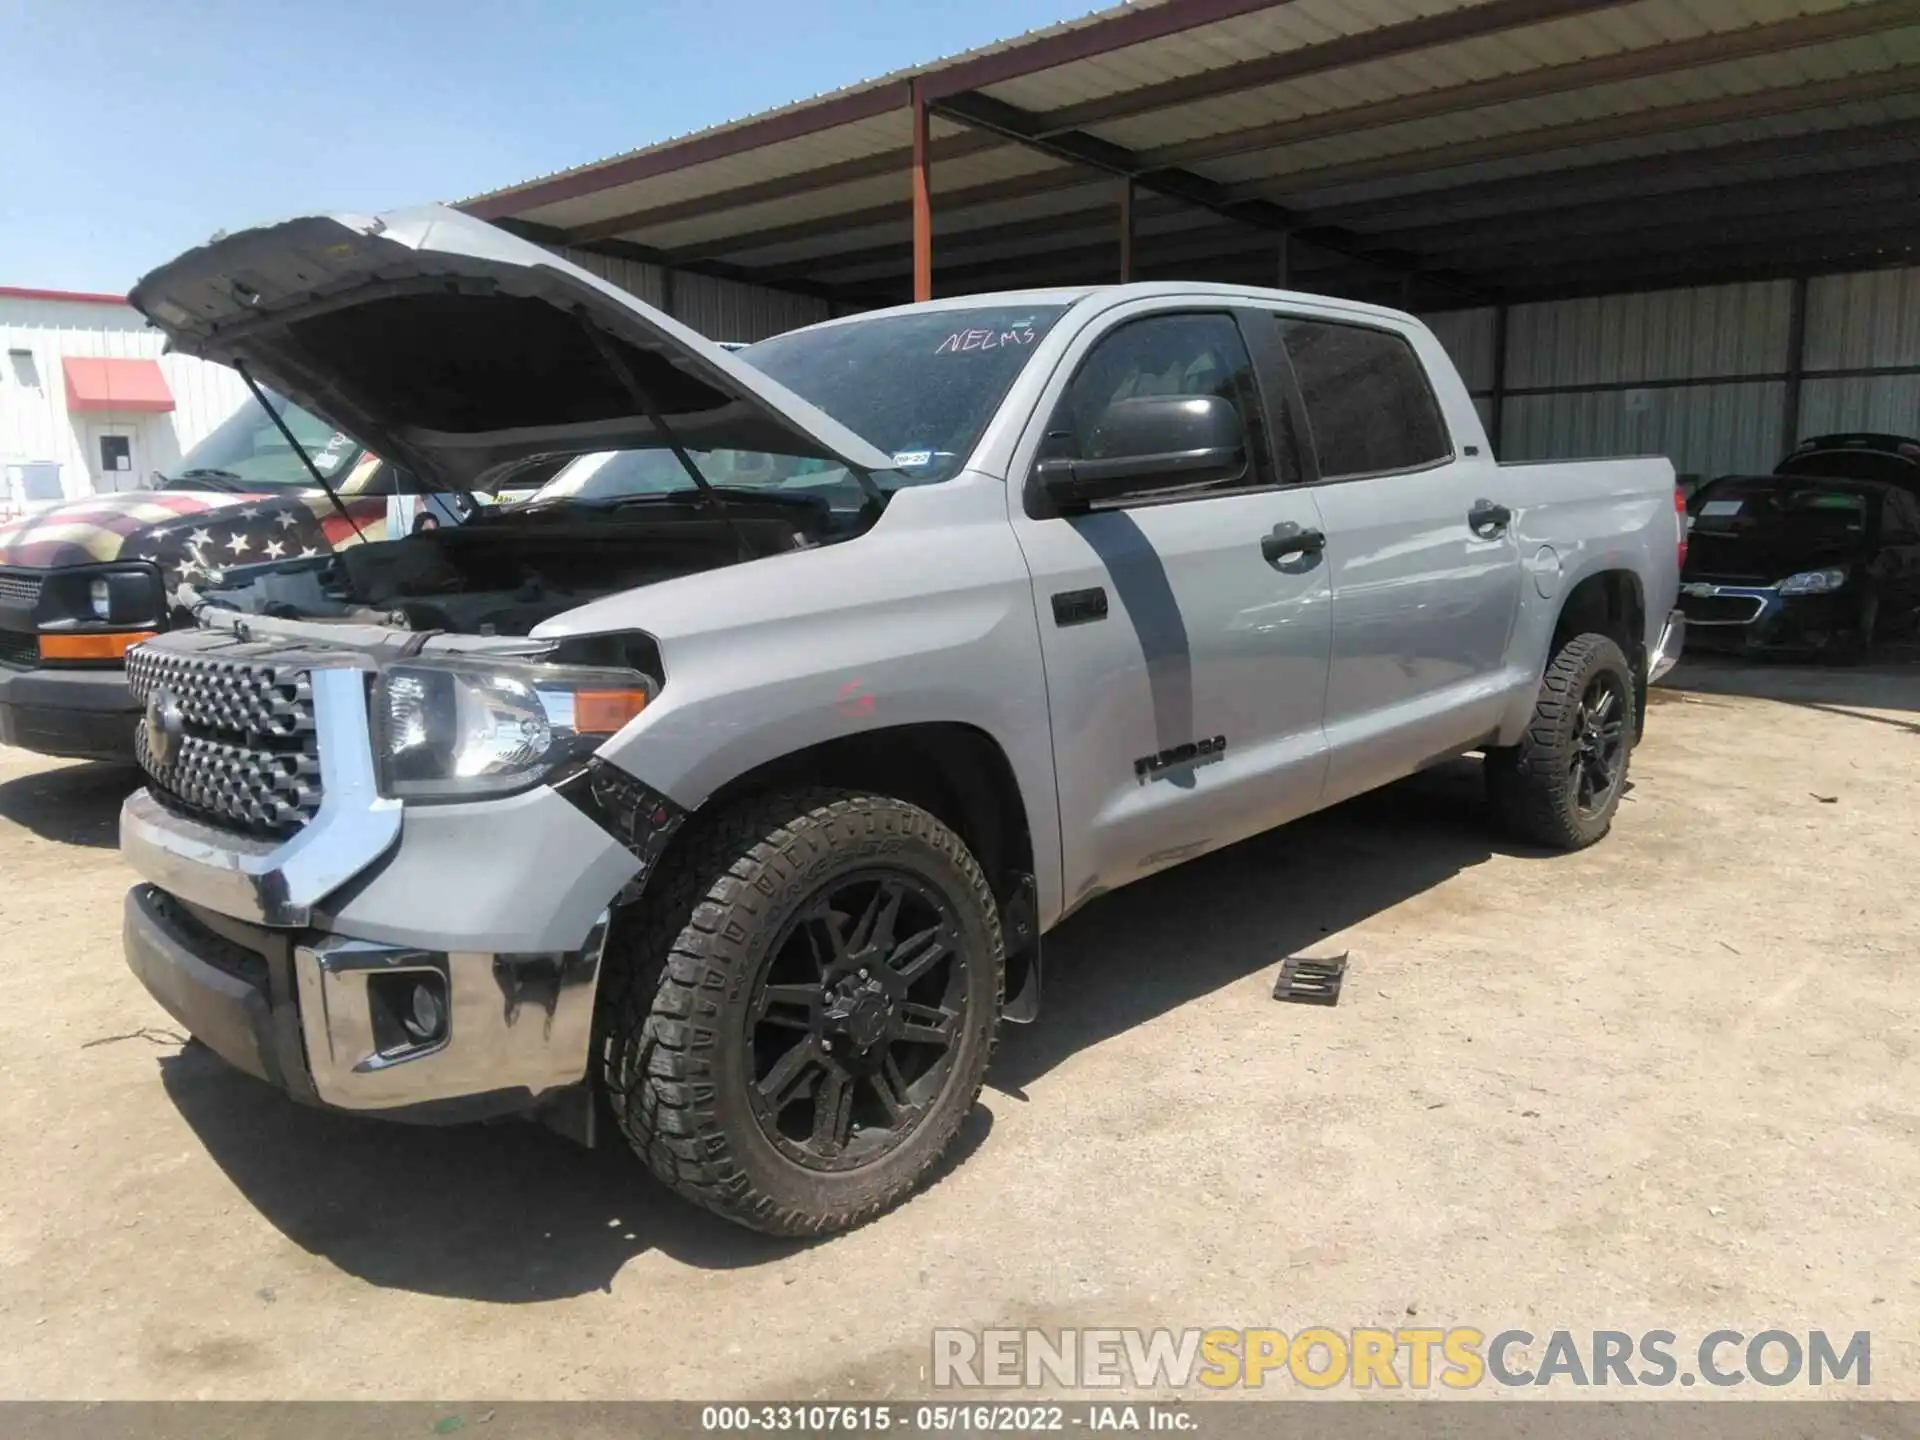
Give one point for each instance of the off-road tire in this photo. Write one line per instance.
(678, 980)
(1531, 785)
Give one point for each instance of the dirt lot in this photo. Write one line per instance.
(1669, 1082)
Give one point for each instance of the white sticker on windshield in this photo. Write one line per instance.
(325, 460)
(912, 459)
(1721, 507)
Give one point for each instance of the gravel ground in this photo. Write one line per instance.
(1669, 1082)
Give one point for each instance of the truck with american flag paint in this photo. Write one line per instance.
(83, 581)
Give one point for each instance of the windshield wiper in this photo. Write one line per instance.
(717, 492)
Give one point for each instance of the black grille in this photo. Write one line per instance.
(237, 740)
(17, 649)
(19, 587)
(1720, 609)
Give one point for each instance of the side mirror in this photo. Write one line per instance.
(1150, 443)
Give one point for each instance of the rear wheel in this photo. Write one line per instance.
(827, 981)
(1560, 786)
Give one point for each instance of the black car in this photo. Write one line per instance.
(1858, 455)
(1800, 564)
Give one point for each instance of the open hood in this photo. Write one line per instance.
(459, 351)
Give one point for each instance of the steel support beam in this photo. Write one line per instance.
(986, 113)
(1633, 180)
(1099, 218)
(899, 212)
(1126, 229)
(779, 187)
(1661, 122)
(625, 250)
(1730, 264)
(1497, 399)
(922, 199)
(1848, 226)
(1658, 58)
(1796, 365)
(1469, 22)
(1755, 199)
(1217, 246)
(1066, 44)
(812, 117)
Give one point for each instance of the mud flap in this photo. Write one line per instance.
(1022, 939)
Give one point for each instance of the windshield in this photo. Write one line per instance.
(247, 447)
(921, 386)
(1771, 505)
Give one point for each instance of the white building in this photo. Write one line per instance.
(89, 404)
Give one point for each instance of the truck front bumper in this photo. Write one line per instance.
(425, 961)
(77, 714)
(420, 1035)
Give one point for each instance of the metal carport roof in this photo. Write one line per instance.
(1422, 152)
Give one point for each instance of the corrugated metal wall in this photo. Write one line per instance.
(1698, 375)
(34, 423)
(721, 309)
(1863, 322)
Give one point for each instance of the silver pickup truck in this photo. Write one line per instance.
(726, 790)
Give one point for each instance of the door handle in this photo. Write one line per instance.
(1288, 539)
(1487, 519)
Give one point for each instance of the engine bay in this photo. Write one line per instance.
(506, 571)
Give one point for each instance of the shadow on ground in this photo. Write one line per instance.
(1174, 937)
(73, 805)
(1854, 690)
(511, 1213)
(504, 1213)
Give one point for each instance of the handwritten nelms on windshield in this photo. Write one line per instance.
(1020, 333)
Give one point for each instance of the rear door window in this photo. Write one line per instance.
(1368, 403)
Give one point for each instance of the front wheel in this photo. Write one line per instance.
(829, 980)
(1560, 786)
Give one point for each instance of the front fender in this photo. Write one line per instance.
(926, 619)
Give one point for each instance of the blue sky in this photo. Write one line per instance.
(136, 129)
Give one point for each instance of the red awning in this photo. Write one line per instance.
(126, 386)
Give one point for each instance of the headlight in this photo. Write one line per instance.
(1813, 582)
(470, 728)
(124, 597)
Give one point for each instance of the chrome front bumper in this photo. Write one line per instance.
(1666, 654)
(315, 1014)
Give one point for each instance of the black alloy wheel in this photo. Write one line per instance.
(1560, 785)
(798, 1015)
(854, 1018)
(1600, 743)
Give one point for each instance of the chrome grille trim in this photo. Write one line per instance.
(242, 747)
